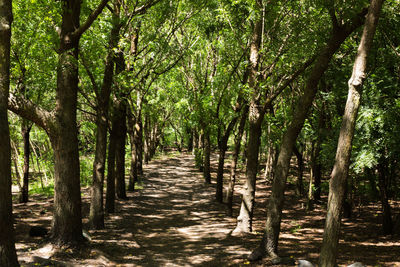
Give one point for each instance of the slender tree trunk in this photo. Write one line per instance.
(223, 146)
(269, 242)
(110, 193)
(387, 223)
(220, 171)
(24, 194)
(340, 169)
(133, 173)
(256, 116)
(96, 216)
(147, 134)
(190, 139)
(316, 168)
(8, 256)
(120, 150)
(206, 159)
(139, 144)
(245, 218)
(270, 162)
(195, 139)
(236, 152)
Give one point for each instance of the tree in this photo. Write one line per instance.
(8, 256)
(61, 125)
(340, 170)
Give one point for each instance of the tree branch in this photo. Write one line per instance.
(92, 17)
(28, 110)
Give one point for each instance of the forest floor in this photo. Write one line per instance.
(173, 220)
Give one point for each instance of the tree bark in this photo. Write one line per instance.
(223, 146)
(24, 194)
(340, 169)
(133, 173)
(269, 242)
(67, 192)
(206, 157)
(110, 193)
(256, 116)
(8, 256)
(96, 216)
(300, 169)
(236, 152)
(120, 150)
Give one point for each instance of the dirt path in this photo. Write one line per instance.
(175, 221)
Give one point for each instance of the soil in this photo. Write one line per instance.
(173, 220)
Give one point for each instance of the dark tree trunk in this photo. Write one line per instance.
(223, 146)
(316, 168)
(8, 256)
(190, 139)
(67, 192)
(236, 152)
(269, 242)
(96, 216)
(110, 193)
(133, 173)
(120, 150)
(195, 139)
(139, 144)
(147, 137)
(387, 223)
(206, 159)
(220, 171)
(300, 169)
(340, 170)
(24, 194)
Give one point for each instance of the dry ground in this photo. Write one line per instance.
(174, 221)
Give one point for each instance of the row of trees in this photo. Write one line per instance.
(266, 77)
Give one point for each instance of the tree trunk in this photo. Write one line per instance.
(269, 242)
(8, 256)
(206, 159)
(195, 139)
(120, 150)
(300, 169)
(316, 168)
(147, 134)
(236, 152)
(24, 194)
(133, 173)
(223, 146)
(139, 144)
(189, 132)
(340, 169)
(110, 193)
(245, 218)
(387, 223)
(256, 116)
(96, 216)
(67, 191)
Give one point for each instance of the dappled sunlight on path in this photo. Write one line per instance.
(174, 221)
